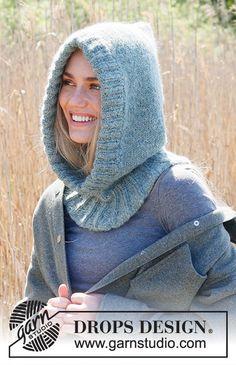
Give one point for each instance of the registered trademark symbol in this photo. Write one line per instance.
(210, 331)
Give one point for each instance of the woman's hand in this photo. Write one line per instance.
(57, 304)
(80, 302)
(62, 301)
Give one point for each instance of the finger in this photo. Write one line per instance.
(63, 291)
(78, 298)
(59, 302)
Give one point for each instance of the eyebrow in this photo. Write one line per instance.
(86, 78)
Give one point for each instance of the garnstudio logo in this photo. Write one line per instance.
(33, 326)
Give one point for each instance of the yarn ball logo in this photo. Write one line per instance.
(33, 326)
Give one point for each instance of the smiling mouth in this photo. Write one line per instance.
(82, 118)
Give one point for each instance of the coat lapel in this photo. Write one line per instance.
(59, 234)
(166, 245)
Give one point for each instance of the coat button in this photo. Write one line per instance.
(59, 238)
(196, 223)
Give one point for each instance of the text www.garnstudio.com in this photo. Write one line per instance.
(146, 343)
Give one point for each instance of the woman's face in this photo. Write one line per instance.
(80, 98)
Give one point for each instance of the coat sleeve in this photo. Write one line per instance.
(41, 280)
(218, 292)
(36, 287)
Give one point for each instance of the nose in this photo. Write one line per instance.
(78, 97)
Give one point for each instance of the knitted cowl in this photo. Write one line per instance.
(130, 151)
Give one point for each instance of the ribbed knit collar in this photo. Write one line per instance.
(130, 153)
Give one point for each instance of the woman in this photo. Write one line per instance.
(127, 225)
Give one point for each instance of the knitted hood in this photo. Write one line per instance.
(130, 152)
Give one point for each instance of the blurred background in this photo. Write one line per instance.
(197, 52)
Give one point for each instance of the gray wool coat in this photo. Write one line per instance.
(161, 277)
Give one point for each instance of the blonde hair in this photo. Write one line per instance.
(78, 155)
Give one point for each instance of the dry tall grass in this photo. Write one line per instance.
(198, 71)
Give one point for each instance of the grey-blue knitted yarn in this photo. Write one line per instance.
(130, 153)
